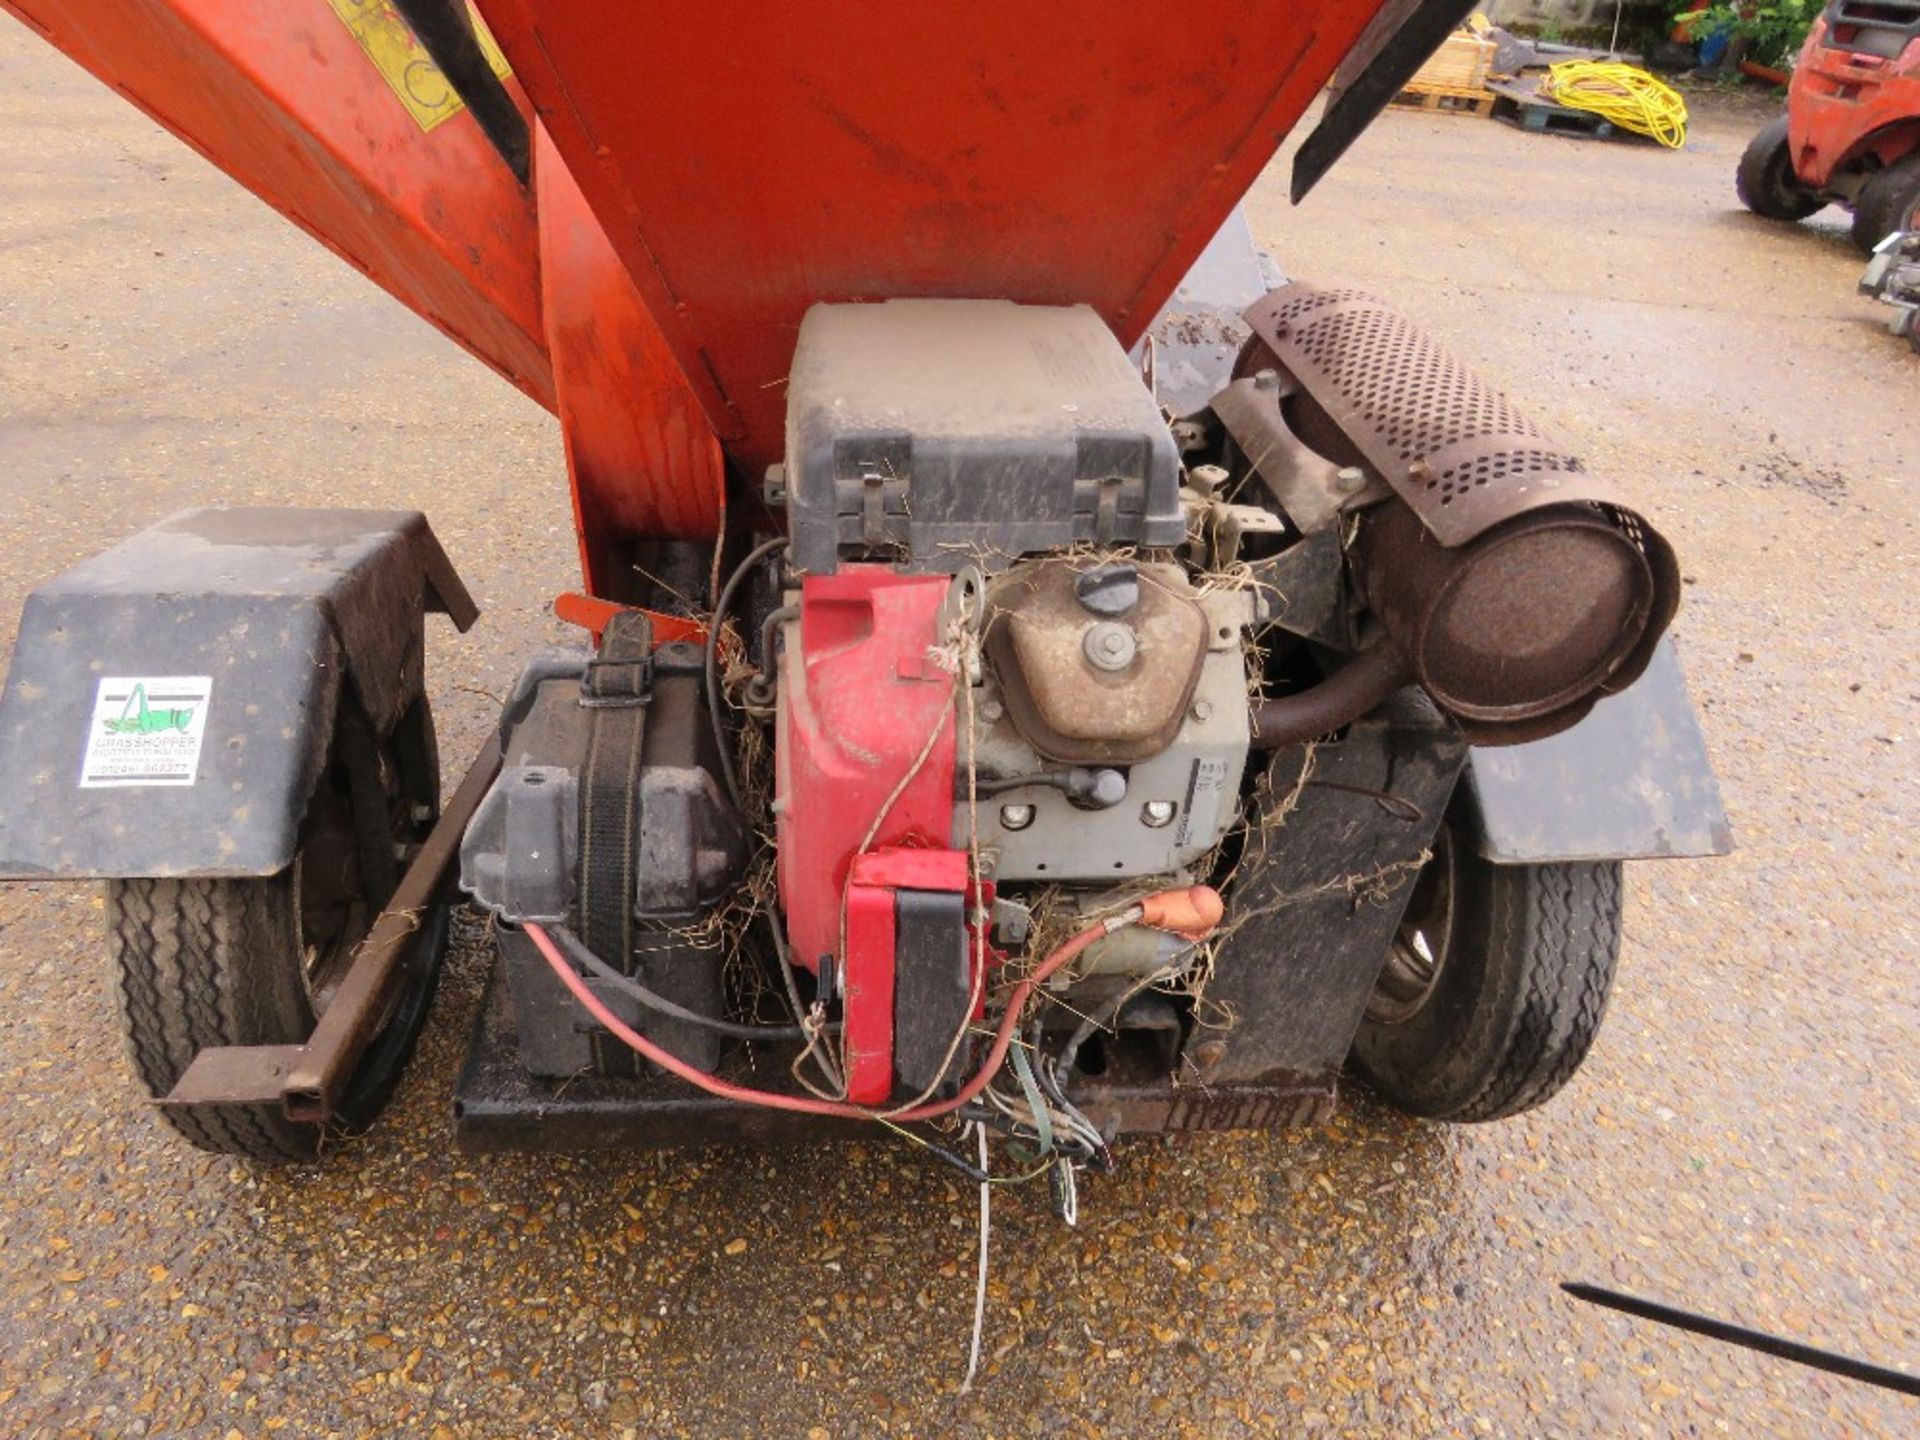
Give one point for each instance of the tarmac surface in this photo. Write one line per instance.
(1742, 1140)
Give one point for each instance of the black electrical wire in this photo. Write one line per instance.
(721, 605)
(760, 689)
(1049, 1073)
(940, 1152)
(578, 952)
(990, 785)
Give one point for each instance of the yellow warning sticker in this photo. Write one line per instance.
(404, 63)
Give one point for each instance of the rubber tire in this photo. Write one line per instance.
(1765, 179)
(210, 962)
(1887, 202)
(216, 962)
(1519, 998)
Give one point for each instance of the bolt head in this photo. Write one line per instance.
(1016, 817)
(1158, 814)
(1110, 645)
(1350, 479)
(1202, 710)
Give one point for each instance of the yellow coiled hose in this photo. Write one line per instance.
(1624, 94)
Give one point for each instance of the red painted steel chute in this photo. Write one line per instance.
(702, 174)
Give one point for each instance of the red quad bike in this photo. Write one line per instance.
(1851, 134)
(1034, 674)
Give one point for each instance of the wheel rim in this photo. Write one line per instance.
(327, 908)
(322, 939)
(1418, 955)
(332, 912)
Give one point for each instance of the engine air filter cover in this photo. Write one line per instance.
(941, 433)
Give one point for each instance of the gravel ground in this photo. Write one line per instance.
(1742, 1139)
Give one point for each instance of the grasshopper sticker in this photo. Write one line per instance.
(146, 730)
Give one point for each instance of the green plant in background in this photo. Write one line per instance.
(1770, 32)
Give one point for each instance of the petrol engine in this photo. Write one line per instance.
(1031, 649)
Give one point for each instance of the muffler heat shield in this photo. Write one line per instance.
(1517, 584)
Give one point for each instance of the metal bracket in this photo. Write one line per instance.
(1312, 489)
(1631, 781)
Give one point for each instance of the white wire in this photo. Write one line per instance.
(980, 1281)
(1016, 1109)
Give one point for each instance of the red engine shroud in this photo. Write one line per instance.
(702, 174)
(863, 762)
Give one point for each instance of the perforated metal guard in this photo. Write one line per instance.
(1453, 448)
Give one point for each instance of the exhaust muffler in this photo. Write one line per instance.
(1516, 586)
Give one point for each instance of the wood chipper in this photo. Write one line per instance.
(1039, 668)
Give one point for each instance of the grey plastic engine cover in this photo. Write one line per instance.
(942, 432)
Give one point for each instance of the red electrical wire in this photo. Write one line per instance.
(1192, 912)
(804, 1104)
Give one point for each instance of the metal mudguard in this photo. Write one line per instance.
(1318, 893)
(1631, 781)
(171, 701)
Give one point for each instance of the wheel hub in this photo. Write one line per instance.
(1419, 951)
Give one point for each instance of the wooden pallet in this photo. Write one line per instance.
(1461, 63)
(1446, 100)
(1519, 104)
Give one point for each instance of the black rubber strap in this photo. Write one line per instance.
(610, 815)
